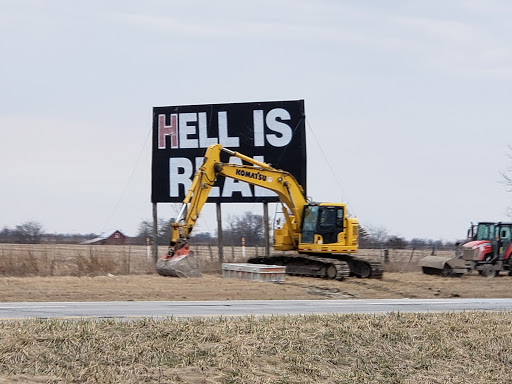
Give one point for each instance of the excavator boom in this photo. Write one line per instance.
(258, 173)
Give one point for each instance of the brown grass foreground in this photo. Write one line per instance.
(394, 285)
(394, 348)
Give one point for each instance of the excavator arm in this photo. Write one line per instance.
(258, 173)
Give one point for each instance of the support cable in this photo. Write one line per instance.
(123, 192)
(335, 176)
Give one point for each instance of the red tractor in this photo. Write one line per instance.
(487, 251)
(490, 248)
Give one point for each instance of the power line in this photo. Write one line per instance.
(132, 174)
(335, 176)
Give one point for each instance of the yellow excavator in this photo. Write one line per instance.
(324, 239)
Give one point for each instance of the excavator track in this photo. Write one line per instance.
(336, 266)
(308, 265)
(377, 270)
(362, 267)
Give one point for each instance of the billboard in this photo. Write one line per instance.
(273, 132)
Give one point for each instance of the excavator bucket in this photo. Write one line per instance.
(444, 266)
(182, 263)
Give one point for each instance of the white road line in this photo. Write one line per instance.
(36, 306)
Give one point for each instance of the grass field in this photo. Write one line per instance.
(96, 260)
(471, 347)
(394, 285)
(53, 272)
(394, 348)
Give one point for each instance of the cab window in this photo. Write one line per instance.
(309, 223)
(331, 223)
(328, 218)
(485, 232)
(505, 233)
(310, 218)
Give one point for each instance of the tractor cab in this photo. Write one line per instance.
(481, 231)
(501, 243)
(489, 242)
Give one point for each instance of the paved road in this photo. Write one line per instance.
(138, 309)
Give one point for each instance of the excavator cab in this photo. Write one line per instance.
(325, 228)
(321, 224)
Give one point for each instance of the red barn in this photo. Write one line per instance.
(108, 238)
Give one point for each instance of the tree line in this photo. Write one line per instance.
(32, 232)
(248, 226)
(371, 237)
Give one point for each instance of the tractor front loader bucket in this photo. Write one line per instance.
(443, 266)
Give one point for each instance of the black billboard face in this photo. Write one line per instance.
(273, 132)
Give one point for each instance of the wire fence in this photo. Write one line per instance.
(91, 260)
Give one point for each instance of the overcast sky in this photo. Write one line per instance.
(408, 103)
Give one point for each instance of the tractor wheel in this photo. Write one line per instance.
(489, 273)
(447, 271)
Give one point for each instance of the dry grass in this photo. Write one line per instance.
(79, 273)
(96, 260)
(72, 260)
(393, 348)
(214, 287)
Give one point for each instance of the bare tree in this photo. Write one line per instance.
(418, 243)
(203, 238)
(507, 175)
(146, 230)
(363, 238)
(249, 225)
(507, 178)
(165, 231)
(396, 242)
(28, 233)
(6, 235)
(376, 236)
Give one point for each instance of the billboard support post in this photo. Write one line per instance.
(267, 232)
(155, 233)
(219, 233)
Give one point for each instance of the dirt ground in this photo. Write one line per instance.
(215, 287)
